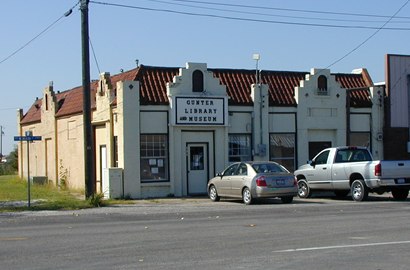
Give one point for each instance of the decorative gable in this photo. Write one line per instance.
(49, 100)
(197, 98)
(195, 80)
(103, 99)
(318, 86)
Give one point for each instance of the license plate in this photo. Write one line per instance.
(280, 182)
(401, 181)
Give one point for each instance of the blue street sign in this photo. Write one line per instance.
(27, 138)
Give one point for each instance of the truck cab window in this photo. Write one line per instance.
(322, 158)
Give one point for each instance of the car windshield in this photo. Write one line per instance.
(268, 168)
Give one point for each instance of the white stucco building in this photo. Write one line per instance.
(161, 131)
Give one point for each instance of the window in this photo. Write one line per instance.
(359, 139)
(269, 168)
(197, 81)
(352, 155)
(282, 149)
(46, 101)
(322, 158)
(243, 169)
(322, 85)
(154, 158)
(239, 148)
(231, 170)
(197, 158)
(316, 147)
(72, 130)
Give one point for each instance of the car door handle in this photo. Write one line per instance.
(324, 168)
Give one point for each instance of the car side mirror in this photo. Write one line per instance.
(219, 174)
(312, 163)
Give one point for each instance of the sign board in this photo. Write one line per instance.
(200, 111)
(27, 138)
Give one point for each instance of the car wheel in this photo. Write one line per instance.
(359, 190)
(247, 196)
(303, 189)
(287, 199)
(341, 193)
(400, 194)
(213, 194)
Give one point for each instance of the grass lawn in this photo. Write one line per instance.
(42, 197)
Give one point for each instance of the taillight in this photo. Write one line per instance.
(295, 181)
(378, 169)
(261, 182)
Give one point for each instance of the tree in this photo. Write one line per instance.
(11, 165)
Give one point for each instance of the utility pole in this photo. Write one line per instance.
(1, 143)
(89, 171)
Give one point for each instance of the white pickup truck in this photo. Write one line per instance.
(344, 169)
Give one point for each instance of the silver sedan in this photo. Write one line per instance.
(253, 180)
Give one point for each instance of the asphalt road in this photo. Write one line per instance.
(318, 233)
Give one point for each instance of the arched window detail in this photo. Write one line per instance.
(197, 81)
(46, 101)
(322, 85)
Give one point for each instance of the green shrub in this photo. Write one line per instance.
(96, 199)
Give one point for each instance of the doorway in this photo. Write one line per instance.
(197, 168)
(104, 185)
(316, 147)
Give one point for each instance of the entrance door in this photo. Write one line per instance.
(197, 165)
(105, 186)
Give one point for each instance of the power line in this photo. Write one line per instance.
(95, 57)
(66, 14)
(367, 39)
(247, 19)
(170, 2)
(287, 9)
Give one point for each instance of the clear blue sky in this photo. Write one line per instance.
(286, 33)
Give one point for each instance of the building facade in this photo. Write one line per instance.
(397, 123)
(161, 131)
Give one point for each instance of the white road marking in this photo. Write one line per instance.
(343, 246)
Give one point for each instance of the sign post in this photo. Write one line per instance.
(28, 138)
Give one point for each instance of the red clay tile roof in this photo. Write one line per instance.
(238, 84)
(281, 85)
(153, 81)
(33, 114)
(358, 85)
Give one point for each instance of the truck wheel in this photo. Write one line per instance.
(359, 190)
(400, 194)
(303, 189)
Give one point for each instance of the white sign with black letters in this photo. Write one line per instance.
(199, 111)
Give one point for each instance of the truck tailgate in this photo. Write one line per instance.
(395, 168)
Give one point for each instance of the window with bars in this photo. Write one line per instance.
(239, 148)
(282, 149)
(154, 157)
